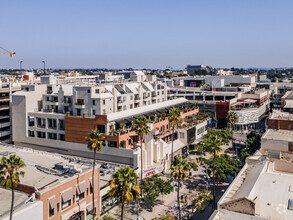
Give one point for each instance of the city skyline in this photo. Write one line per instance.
(150, 34)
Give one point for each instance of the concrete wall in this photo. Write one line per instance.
(274, 145)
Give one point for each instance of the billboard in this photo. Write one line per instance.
(192, 84)
(176, 82)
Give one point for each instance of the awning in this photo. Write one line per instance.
(67, 195)
(90, 206)
(52, 203)
(80, 188)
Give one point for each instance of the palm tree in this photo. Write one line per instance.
(213, 145)
(123, 187)
(9, 174)
(141, 128)
(95, 142)
(174, 119)
(232, 119)
(180, 168)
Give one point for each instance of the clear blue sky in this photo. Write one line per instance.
(147, 34)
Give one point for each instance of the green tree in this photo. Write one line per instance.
(213, 142)
(95, 142)
(9, 175)
(154, 187)
(174, 120)
(141, 129)
(201, 200)
(232, 119)
(225, 166)
(123, 187)
(179, 168)
(253, 143)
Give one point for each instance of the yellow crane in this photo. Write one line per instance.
(7, 52)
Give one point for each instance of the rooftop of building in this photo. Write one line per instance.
(45, 170)
(280, 135)
(21, 200)
(145, 109)
(268, 189)
(278, 115)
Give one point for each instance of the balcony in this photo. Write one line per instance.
(2, 107)
(5, 124)
(79, 106)
(5, 133)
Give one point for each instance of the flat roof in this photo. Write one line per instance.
(39, 172)
(279, 135)
(144, 109)
(270, 190)
(281, 115)
(20, 199)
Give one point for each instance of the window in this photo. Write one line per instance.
(78, 112)
(162, 92)
(131, 97)
(94, 112)
(52, 123)
(41, 122)
(31, 133)
(61, 124)
(79, 102)
(61, 137)
(131, 106)
(51, 212)
(80, 196)
(124, 107)
(104, 102)
(97, 91)
(104, 111)
(66, 204)
(88, 91)
(41, 134)
(52, 136)
(58, 207)
(94, 102)
(101, 128)
(163, 99)
(31, 121)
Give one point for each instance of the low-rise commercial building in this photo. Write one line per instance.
(262, 190)
(62, 184)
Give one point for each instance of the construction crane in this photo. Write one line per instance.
(7, 52)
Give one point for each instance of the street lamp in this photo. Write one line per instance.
(44, 66)
(20, 63)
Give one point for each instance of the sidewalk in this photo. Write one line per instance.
(168, 203)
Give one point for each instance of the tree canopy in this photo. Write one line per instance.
(155, 186)
(224, 166)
